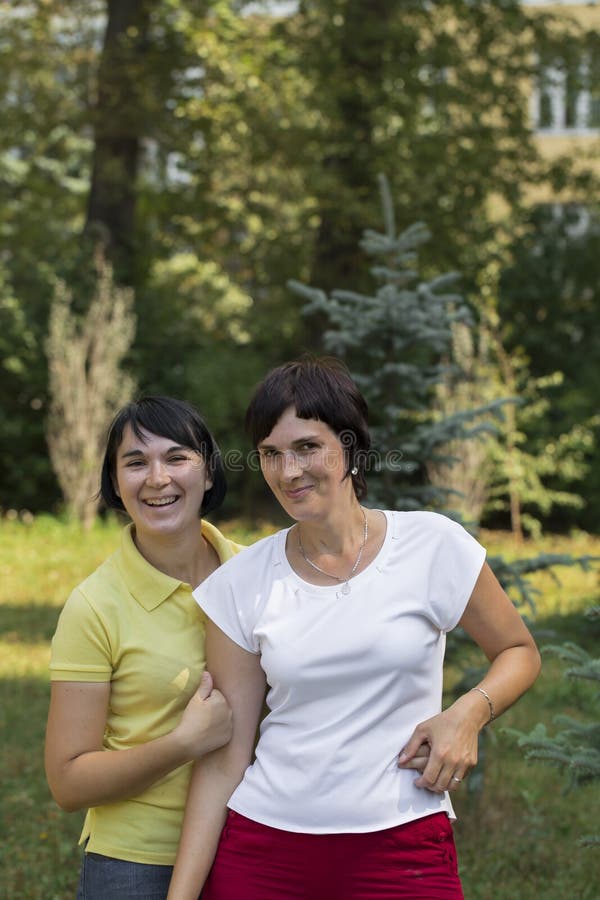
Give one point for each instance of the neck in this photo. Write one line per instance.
(188, 558)
(339, 535)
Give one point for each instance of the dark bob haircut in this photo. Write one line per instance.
(318, 388)
(169, 418)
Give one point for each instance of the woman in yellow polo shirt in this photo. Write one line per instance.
(131, 705)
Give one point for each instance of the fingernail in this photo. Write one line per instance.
(402, 758)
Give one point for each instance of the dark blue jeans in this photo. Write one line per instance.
(106, 878)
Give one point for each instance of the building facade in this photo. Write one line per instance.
(565, 97)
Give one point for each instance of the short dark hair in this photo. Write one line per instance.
(318, 388)
(170, 418)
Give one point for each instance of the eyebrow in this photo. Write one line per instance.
(301, 440)
(174, 448)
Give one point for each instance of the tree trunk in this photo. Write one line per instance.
(118, 128)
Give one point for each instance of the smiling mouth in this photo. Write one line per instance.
(161, 501)
(297, 492)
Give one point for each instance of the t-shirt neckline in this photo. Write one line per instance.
(333, 589)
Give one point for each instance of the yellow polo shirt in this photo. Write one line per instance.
(141, 630)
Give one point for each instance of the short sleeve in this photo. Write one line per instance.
(455, 567)
(230, 606)
(81, 646)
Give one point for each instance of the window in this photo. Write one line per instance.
(566, 98)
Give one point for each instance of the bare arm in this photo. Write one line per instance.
(81, 773)
(495, 625)
(240, 677)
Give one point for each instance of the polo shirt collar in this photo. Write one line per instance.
(149, 586)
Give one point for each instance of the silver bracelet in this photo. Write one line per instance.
(490, 704)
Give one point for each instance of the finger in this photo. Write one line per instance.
(430, 777)
(418, 762)
(455, 781)
(206, 685)
(448, 779)
(412, 747)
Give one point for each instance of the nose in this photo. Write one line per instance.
(158, 475)
(290, 465)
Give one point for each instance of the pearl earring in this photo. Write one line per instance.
(354, 470)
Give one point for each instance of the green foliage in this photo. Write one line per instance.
(574, 748)
(394, 342)
(529, 472)
(521, 465)
(430, 93)
(47, 53)
(23, 469)
(549, 295)
(255, 166)
(515, 574)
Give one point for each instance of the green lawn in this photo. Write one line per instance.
(516, 837)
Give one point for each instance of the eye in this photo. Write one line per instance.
(134, 463)
(268, 452)
(308, 447)
(179, 457)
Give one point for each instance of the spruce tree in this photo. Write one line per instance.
(395, 342)
(575, 747)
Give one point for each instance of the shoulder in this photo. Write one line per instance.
(430, 534)
(427, 521)
(249, 562)
(235, 594)
(103, 590)
(107, 577)
(224, 547)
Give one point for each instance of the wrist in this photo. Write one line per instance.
(488, 699)
(474, 707)
(180, 744)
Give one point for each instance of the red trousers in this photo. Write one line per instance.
(415, 861)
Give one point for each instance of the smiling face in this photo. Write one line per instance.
(304, 464)
(160, 483)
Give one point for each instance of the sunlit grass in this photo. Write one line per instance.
(40, 562)
(516, 838)
(563, 589)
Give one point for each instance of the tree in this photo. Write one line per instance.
(548, 298)
(120, 117)
(525, 471)
(395, 342)
(432, 93)
(575, 747)
(471, 379)
(87, 383)
(509, 468)
(208, 137)
(24, 469)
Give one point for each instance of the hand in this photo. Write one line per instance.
(452, 740)
(206, 723)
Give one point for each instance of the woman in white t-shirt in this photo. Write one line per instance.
(342, 617)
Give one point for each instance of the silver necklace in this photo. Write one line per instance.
(343, 581)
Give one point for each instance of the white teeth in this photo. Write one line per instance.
(163, 501)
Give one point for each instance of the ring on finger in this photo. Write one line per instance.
(457, 780)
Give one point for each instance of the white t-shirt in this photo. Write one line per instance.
(350, 675)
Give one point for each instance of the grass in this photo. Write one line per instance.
(516, 837)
